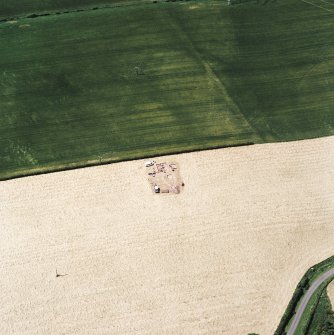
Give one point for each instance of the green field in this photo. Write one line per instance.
(148, 79)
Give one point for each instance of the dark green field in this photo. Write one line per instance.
(147, 79)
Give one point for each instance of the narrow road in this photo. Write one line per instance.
(306, 300)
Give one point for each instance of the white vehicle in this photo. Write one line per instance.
(149, 163)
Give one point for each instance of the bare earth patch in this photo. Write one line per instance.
(164, 177)
(222, 257)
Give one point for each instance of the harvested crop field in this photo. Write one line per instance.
(222, 257)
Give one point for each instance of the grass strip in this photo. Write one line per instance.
(312, 274)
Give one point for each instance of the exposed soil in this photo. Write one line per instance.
(165, 177)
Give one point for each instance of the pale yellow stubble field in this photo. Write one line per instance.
(222, 257)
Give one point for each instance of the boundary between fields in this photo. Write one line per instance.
(98, 162)
(72, 10)
(63, 11)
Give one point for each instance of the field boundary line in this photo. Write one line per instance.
(311, 3)
(61, 12)
(98, 162)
